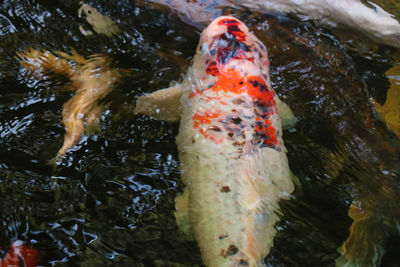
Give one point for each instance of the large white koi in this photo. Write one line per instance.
(230, 146)
(363, 16)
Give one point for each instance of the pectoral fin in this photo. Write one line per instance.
(285, 113)
(297, 184)
(182, 213)
(162, 104)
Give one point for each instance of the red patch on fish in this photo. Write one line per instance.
(20, 255)
(231, 45)
(233, 28)
(233, 81)
(212, 69)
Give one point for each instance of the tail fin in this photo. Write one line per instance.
(91, 80)
(40, 64)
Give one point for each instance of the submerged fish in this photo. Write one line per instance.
(363, 16)
(371, 19)
(90, 79)
(20, 255)
(230, 146)
(100, 24)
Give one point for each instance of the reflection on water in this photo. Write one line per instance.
(110, 200)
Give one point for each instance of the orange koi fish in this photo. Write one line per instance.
(91, 80)
(230, 146)
(20, 255)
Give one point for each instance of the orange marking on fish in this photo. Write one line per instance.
(194, 93)
(233, 81)
(206, 133)
(206, 119)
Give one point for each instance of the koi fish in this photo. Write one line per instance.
(20, 255)
(371, 19)
(367, 18)
(230, 146)
(100, 24)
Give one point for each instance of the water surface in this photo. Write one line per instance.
(110, 200)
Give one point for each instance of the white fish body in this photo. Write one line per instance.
(371, 20)
(230, 147)
(363, 16)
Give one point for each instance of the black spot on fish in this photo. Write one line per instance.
(243, 262)
(225, 189)
(232, 250)
(223, 236)
(214, 128)
(263, 87)
(237, 143)
(236, 120)
(238, 101)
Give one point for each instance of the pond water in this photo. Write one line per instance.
(109, 201)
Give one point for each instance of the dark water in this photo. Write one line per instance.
(110, 201)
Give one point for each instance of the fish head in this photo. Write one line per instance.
(100, 24)
(227, 43)
(229, 90)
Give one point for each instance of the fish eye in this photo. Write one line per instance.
(204, 48)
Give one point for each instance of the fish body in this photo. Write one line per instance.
(230, 146)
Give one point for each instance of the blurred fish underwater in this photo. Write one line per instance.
(108, 196)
